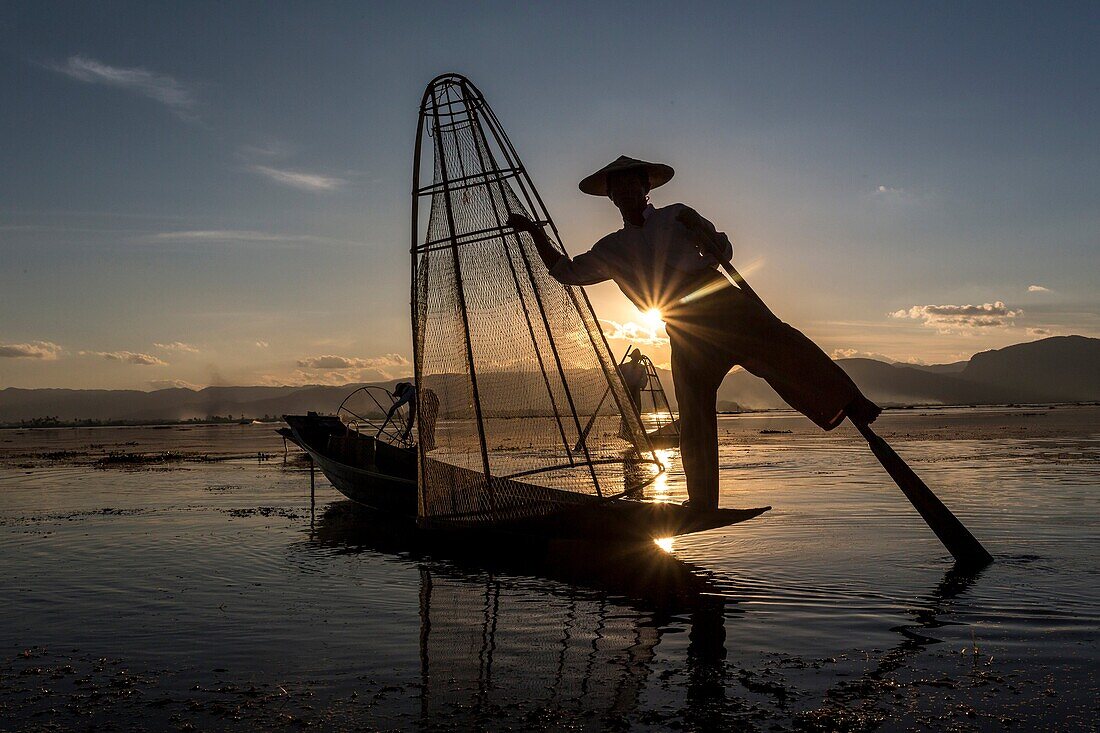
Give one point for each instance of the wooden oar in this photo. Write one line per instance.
(968, 552)
(962, 545)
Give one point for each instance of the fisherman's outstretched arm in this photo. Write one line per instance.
(546, 250)
(406, 398)
(584, 269)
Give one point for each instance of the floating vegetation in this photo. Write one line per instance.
(60, 455)
(139, 459)
(265, 511)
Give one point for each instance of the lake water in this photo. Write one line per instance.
(209, 594)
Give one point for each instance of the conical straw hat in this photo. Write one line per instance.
(596, 184)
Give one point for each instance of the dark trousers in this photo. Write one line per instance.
(708, 338)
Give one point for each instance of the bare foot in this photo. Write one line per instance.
(862, 411)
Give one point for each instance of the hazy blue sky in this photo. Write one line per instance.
(218, 193)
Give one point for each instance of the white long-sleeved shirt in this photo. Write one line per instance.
(651, 263)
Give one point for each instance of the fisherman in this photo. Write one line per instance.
(635, 376)
(428, 403)
(405, 392)
(661, 259)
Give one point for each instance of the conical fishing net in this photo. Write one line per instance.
(517, 361)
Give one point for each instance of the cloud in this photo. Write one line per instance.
(264, 159)
(269, 149)
(127, 357)
(897, 200)
(1037, 289)
(955, 318)
(159, 87)
(1040, 332)
(262, 344)
(224, 235)
(635, 333)
(45, 350)
(333, 378)
(173, 384)
(177, 346)
(273, 380)
(299, 179)
(331, 361)
(857, 354)
(240, 236)
(336, 370)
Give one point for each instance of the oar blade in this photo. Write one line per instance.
(958, 540)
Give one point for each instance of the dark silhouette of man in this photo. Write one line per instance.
(426, 402)
(405, 394)
(659, 260)
(635, 376)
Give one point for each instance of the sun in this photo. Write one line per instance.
(652, 319)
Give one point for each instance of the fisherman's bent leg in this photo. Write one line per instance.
(696, 379)
(806, 378)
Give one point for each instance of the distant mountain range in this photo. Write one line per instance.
(1057, 369)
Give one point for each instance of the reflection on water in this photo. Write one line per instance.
(488, 638)
(660, 488)
(643, 574)
(200, 594)
(581, 642)
(482, 648)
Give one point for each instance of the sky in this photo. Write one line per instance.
(211, 193)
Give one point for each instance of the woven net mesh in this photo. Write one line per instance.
(529, 397)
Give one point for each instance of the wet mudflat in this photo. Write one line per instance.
(186, 584)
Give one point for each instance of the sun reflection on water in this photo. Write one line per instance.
(660, 484)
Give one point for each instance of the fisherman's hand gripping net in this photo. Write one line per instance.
(517, 360)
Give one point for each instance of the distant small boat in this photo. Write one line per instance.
(368, 471)
(666, 436)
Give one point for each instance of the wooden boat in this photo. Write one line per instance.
(368, 471)
(666, 436)
(381, 476)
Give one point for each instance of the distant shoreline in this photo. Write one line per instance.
(45, 424)
(48, 425)
(937, 406)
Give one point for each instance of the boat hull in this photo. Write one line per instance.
(389, 484)
(621, 520)
(370, 488)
